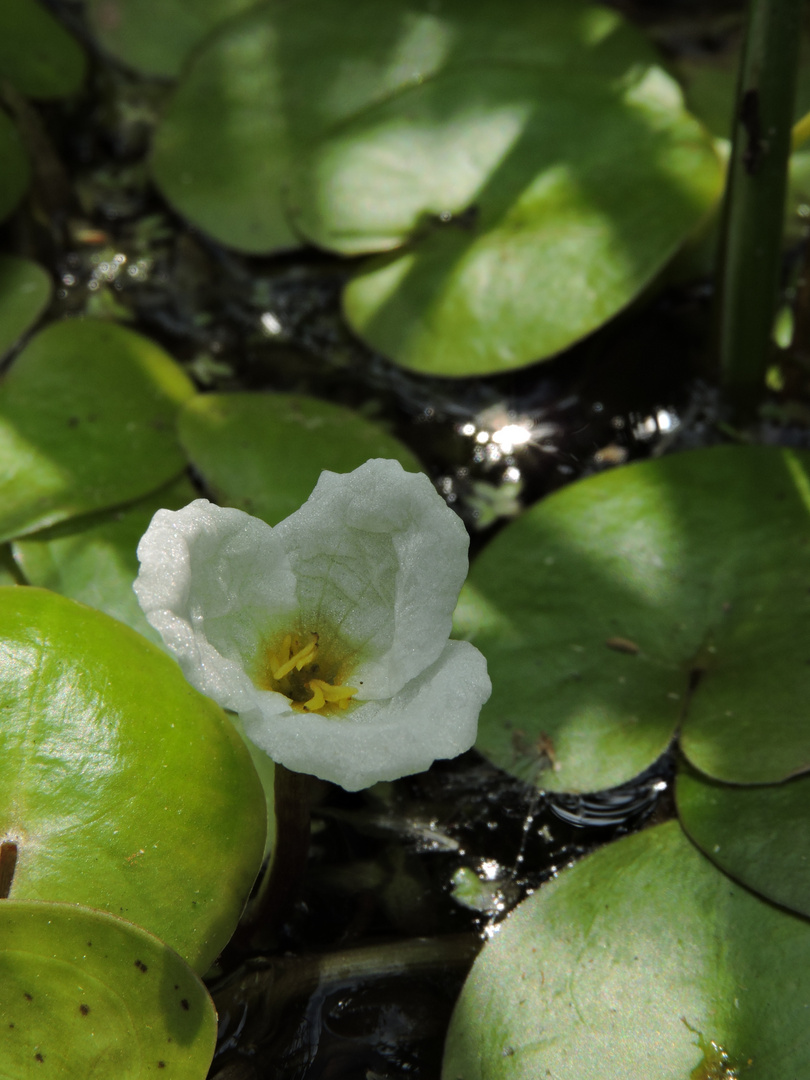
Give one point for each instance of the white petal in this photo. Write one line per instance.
(379, 555)
(214, 582)
(434, 716)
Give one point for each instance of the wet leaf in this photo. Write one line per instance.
(37, 54)
(25, 290)
(701, 562)
(83, 994)
(270, 83)
(121, 786)
(263, 453)
(640, 961)
(758, 835)
(87, 416)
(156, 36)
(92, 558)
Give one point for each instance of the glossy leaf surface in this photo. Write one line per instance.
(759, 835)
(640, 961)
(92, 558)
(601, 607)
(122, 787)
(83, 994)
(87, 415)
(263, 453)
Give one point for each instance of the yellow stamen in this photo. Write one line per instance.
(299, 660)
(338, 695)
(318, 699)
(324, 693)
(284, 661)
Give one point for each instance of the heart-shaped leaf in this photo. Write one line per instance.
(643, 960)
(121, 787)
(269, 84)
(670, 592)
(84, 994)
(263, 453)
(536, 208)
(87, 417)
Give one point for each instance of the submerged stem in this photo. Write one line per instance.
(265, 988)
(750, 248)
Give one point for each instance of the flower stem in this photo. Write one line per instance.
(292, 810)
(750, 249)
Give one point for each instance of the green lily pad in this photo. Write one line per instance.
(15, 172)
(563, 199)
(121, 786)
(37, 54)
(600, 609)
(271, 82)
(84, 994)
(640, 961)
(263, 453)
(92, 559)
(25, 291)
(758, 835)
(87, 417)
(220, 153)
(155, 36)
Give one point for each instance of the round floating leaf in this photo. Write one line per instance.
(92, 559)
(121, 786)
(37, 54)
(156, 36)
(759, 835)
(221, 151)
(670, 591)
(83, 994)
(272, 81)
(640, 961)
(87, 418)
(263, 453)
(15, 172)
(562, 200)
(25, 290)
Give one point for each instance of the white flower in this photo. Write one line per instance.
(327, 634)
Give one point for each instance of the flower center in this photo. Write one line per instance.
(297, 667)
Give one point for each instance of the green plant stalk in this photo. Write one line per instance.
(750, 248)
